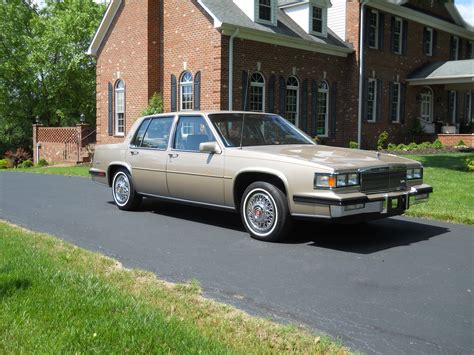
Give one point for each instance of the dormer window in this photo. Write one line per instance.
(317, 20)
(265, 10)
(311, 16)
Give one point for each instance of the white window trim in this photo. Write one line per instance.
(374, 108)
(429, 117)
(453, 95)
(396, 83)
(181, 86)
(273, 13)
(430, 30)
(400, 38)
(456, 53)
(116, 119)
(297, 88)
(376, 45)
(324, 14)
(326, 119)
(262, 85)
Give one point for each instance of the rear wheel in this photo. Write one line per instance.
(264, 211)
(123, 192)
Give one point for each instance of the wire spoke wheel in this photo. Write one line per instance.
(261, 212)
(121, 189)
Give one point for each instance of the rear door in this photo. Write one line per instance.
(148, 155)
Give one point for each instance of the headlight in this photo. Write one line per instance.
(330, 181)
(414, 173)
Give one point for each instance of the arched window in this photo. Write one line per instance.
(292, 99)
(186, 91)
(257, 93)
(119, 108)
(323, 109)
(426, 104)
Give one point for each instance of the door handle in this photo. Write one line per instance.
(173, 155)
(133, 152)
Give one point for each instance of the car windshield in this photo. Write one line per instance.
(258, 129)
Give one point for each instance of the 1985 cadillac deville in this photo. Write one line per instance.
(257, 164)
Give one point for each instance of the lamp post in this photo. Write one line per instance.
(82, 118)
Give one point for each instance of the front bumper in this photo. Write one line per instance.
(372, 206)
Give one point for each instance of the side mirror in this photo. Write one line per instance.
(210, 147)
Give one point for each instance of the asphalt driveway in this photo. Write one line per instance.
(400, 285)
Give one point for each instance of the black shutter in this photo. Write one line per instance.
(405, 38)
(314, 107)
(110, 126)
(392, 34)
(469, 50)
(451, 45)
(282, 88)
(365, 86)
(367, 28)
(403, 94)
(381, 30)
(304, 106)
(174, 106)
(449, 108)
(425, 40)
(460, 49)
(456, 117)
(466, 109)
(197, 91)
(379, 100)
(271, 95)
(332, 112)
(435, 42)
(390, 115)
(245, 90)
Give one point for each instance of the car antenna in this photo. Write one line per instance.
(242, 132)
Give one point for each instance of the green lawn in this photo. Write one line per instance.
(453, 197)
(57, 298)
(74, 170)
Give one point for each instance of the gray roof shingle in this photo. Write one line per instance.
(440, 70)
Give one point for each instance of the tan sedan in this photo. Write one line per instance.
(259, 165)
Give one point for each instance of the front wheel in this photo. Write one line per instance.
(123, 192)
(264, 211)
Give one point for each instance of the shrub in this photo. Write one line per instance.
(42, 162)
(437, 144)
(3, 164)
(382, 141)
(155, 105)
(469, 165)
(424, 145)
(26, 164)
(17, 157)
(392, 146)
(412, 146)
(353, 145)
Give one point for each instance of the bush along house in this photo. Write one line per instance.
(342, 70)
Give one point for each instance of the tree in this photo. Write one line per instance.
(44, 70)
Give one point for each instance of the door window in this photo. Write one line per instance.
(191, 131)
(158, 133)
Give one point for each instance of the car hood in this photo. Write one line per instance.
(332, 157)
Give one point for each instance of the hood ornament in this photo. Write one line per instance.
(377, 155)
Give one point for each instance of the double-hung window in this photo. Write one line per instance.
(454, 48)
(373, 31)
(317, 20)
(292, 99)
(119, 108)
(186, 91)
(453, 106)
(257, 93)
(428, 41)
(323, 109)
(426, 104)
(397, 35)
(371, 100)
(265, 10)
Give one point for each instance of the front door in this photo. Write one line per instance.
(192, 175)
(147, 156)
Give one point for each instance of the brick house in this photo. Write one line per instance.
(301, 59)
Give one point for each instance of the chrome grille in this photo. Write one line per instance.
(383, 179)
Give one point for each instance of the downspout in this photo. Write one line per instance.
(231, 67)
(361, 71)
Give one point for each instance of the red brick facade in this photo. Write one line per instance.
(149, 41)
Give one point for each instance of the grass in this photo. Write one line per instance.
(453, 197)
(73, 170)
(56, 298)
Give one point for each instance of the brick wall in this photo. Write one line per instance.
(452, 140)
(62, 144)
(130, 52)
